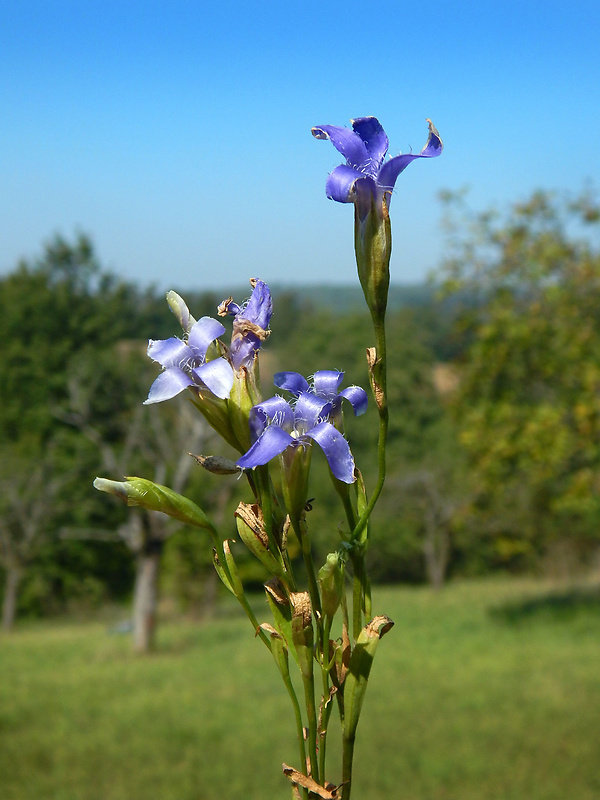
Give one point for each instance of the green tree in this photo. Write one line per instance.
(528, 405)
(58, 313)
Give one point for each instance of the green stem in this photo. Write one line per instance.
(327, 703)
(313, 589)
(357, 594)
(298, 716)
(266, 504)
(250, 614)
(380, 375)
(311, 712)
(347, 761)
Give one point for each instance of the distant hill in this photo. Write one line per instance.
(344, 299)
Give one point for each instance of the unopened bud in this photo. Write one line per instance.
(154, 497)
(359, 669)
(373, 246)
(179, 308)
(216, 464)
(331, 580)
(302, 631)
(251, 528)
(227, 570)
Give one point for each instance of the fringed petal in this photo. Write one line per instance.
(170, 352)
(273, 441)
(346, 141)
(310, 410)
(260, 305)
(336, 449)
(274, 410)
(392, 168)
(357, 397)
(326, 383)
(376, 141)
(340, 183)
(203, 332)
(168, 384)
(217, 376)
(291, 381)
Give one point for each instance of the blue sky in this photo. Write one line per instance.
(177, 133)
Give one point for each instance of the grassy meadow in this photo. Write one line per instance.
(489, 690)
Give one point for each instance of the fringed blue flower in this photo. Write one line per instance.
(275, 426)
(366, 174)
(185, 364)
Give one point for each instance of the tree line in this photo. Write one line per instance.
(494, 453)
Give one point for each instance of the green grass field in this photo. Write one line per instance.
(488, 691)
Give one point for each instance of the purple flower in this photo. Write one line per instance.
(326, 384)
(366, 175)
(185, 363)
(250, 324)
(275, 426)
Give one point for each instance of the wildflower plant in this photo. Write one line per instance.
(275, 438)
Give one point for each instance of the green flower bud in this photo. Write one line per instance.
(373, 247)
(154, 497)
(227, 571)
(359, 668)
(179, 308)
(244, 394)
(295, 463)
(331, 581)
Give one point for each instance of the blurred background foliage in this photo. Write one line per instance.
(494, 379)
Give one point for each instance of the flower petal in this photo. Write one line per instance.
(376, 141)
(326, 383)
(291, 381)
(366, 194)
(336, 449)
(357, 398)
(340, 183)
(275, 410)
(273, 441)
(203, 332)
(242, 350)
(216, 375)
(392, 168)
(309, 411)
(170, 352)
(260, 305)
(168, 384)
(346, 141)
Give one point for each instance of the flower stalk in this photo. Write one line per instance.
(275, 438)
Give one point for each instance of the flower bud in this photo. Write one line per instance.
(331, 581)
(154, 497)
(227, 570)
(359, 669)
(217, 464)
(179, 308)
(278, 648)
(244, 395)
(302, 631)
(295, 462)
(281, 608)
(251, 528)
(373, 247)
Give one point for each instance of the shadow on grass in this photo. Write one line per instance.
(559, 606)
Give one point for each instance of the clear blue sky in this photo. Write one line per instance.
(177, 133)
